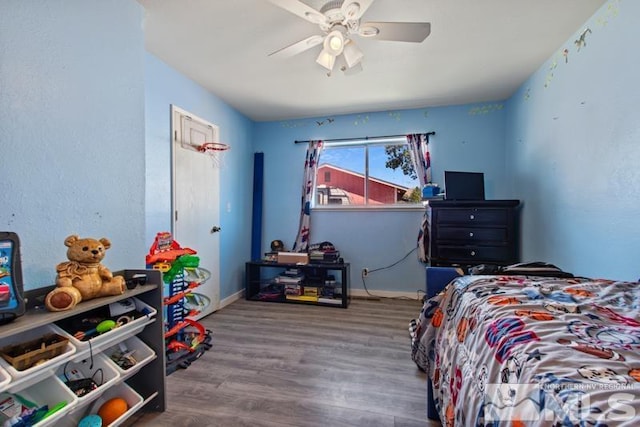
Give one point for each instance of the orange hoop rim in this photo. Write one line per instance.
(213, 146)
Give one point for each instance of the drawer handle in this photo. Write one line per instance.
(473, 253)
(471, 234)
(472, 217)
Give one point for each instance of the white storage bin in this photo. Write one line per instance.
(90, 369)
(5, 379)
(141, 352)
(26, 377)
(123, 390)
(100, 342)
(51, 392)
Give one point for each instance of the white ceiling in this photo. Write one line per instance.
(478, 51)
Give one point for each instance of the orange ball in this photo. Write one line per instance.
(112, 409)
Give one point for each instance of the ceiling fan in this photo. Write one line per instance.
(339, 21)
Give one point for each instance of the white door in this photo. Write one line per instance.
(196, 198)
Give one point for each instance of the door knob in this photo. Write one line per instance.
(215, 229)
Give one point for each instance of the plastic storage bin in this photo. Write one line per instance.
(99, 369)
(51, 392)
(100, 342)
(5, 379)
(26, 377)
(123, 390)
(141, 352)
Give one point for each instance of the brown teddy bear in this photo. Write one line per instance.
(83, 277)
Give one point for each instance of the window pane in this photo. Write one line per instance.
(343, 177)
(340, 176)
(386, 184)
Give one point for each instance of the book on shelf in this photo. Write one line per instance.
(292, 272)
(310, 291)
(288, 279)
(326, 300)
(302, 298)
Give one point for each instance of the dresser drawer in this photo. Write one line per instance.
(472, 254)
(472, 235)
(472, 216)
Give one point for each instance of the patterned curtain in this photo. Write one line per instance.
(308, 183)
(419, 149)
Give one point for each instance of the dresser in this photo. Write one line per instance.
(469, 233)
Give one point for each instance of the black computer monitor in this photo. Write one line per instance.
(463, 185)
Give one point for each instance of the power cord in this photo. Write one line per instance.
(364, 284)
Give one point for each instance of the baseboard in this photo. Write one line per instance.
(232, 298)
(372, 295)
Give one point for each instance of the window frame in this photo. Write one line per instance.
(364, 143)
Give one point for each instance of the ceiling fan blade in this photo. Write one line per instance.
(414, 32)
(298, 47)
(354, 9)
(302, 10)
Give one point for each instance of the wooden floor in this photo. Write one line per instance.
(301, 365)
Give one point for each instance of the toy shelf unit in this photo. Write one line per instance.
(316, 284)
(47, 366)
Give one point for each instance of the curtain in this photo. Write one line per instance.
(419, 148)
(308, 183)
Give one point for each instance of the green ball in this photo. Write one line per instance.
(105, 326)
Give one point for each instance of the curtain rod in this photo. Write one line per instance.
(366, 138)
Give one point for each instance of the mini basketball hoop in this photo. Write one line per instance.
(216, 151)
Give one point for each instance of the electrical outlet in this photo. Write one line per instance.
(365, 272)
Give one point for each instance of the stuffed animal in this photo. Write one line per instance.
(83, 277)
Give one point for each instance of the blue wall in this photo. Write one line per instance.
(573, 138)
(75, 157)
(163, 87)
(468, 137)
(72, 130)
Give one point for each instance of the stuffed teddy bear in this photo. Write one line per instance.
(83, 277)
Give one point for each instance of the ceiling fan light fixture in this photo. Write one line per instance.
(353, 70)
(352, 55)
(334, 43)
(369, 31)
(326, 59)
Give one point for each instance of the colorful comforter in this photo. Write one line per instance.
(533, 351)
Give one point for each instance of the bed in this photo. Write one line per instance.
(513, 350)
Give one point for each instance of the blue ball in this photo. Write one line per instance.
(91, 421)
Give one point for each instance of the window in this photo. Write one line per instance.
(366, 173)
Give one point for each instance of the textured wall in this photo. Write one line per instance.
(468, 137)
(72, 129)
(165, 86)
(572, 136)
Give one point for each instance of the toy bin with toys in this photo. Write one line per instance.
(98, 329)
(128, 356)
(41, 404)
(113, 407)
(29, 356)
(89, 378)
